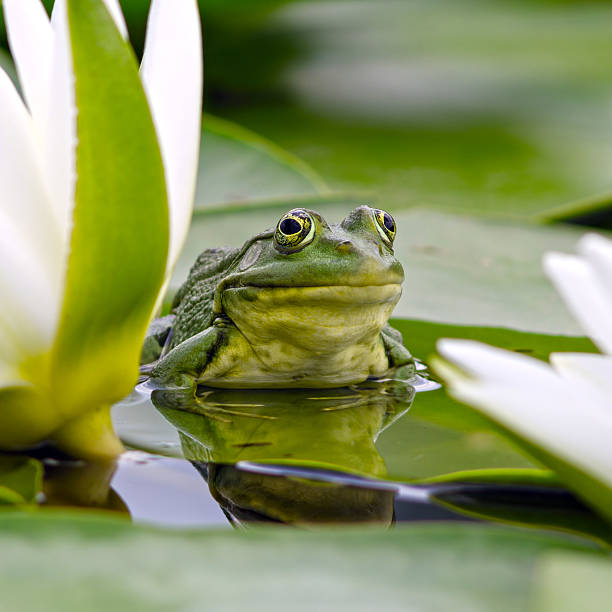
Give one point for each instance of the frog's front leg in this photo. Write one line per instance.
(399, 356)
(184, 364)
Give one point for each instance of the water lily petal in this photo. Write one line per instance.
(590, 374)
(598, 251)
(29, 300)
(541, 418)
(495, 365)
(544, 414)
(59, 132)
(171, 72)
(118, 243)
(584, 294)
(31, 40)
(26, 225)
(25, 199)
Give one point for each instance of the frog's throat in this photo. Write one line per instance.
(312, 316)
(304, 336)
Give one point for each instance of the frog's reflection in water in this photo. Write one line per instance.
(319, 431)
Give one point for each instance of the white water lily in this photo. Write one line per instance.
(562, 410)
(97, 181)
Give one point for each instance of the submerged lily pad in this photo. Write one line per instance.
(101, 564)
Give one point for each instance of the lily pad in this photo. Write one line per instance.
(238, 167)
(108, 564)
(556, 579)
(421, 338)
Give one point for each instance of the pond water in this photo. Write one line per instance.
(380, 452)
(376, 453)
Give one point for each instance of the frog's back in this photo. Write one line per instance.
(193, 303)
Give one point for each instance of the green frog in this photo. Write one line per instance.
(304, 304)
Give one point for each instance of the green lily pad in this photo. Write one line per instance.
(238, 167)
(20, 479)
(421, 338)
(108, 564)
(557, 576)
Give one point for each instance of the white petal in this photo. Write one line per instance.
(31, 39)
(495, 365)
(529, 398)
(598, 252)
(172, 76)
(29, 299)
(26, 209)
(591, 378)
(59, 139)
(584, 294)
(548, 418)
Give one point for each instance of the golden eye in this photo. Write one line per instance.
(295, 230)
(385, 225)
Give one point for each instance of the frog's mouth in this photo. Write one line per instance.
(349, 296)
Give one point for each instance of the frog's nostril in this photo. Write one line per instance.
(346, 246)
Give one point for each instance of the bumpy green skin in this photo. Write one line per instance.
(265, 317)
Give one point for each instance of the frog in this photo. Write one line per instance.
(304, 304)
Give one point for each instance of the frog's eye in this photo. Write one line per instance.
(295, 230)
(385, 225)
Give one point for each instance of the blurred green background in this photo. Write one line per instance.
(475, 122)
(473, 105)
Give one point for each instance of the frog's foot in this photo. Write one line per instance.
(181, 367)
(403, 364)
(405, 373)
